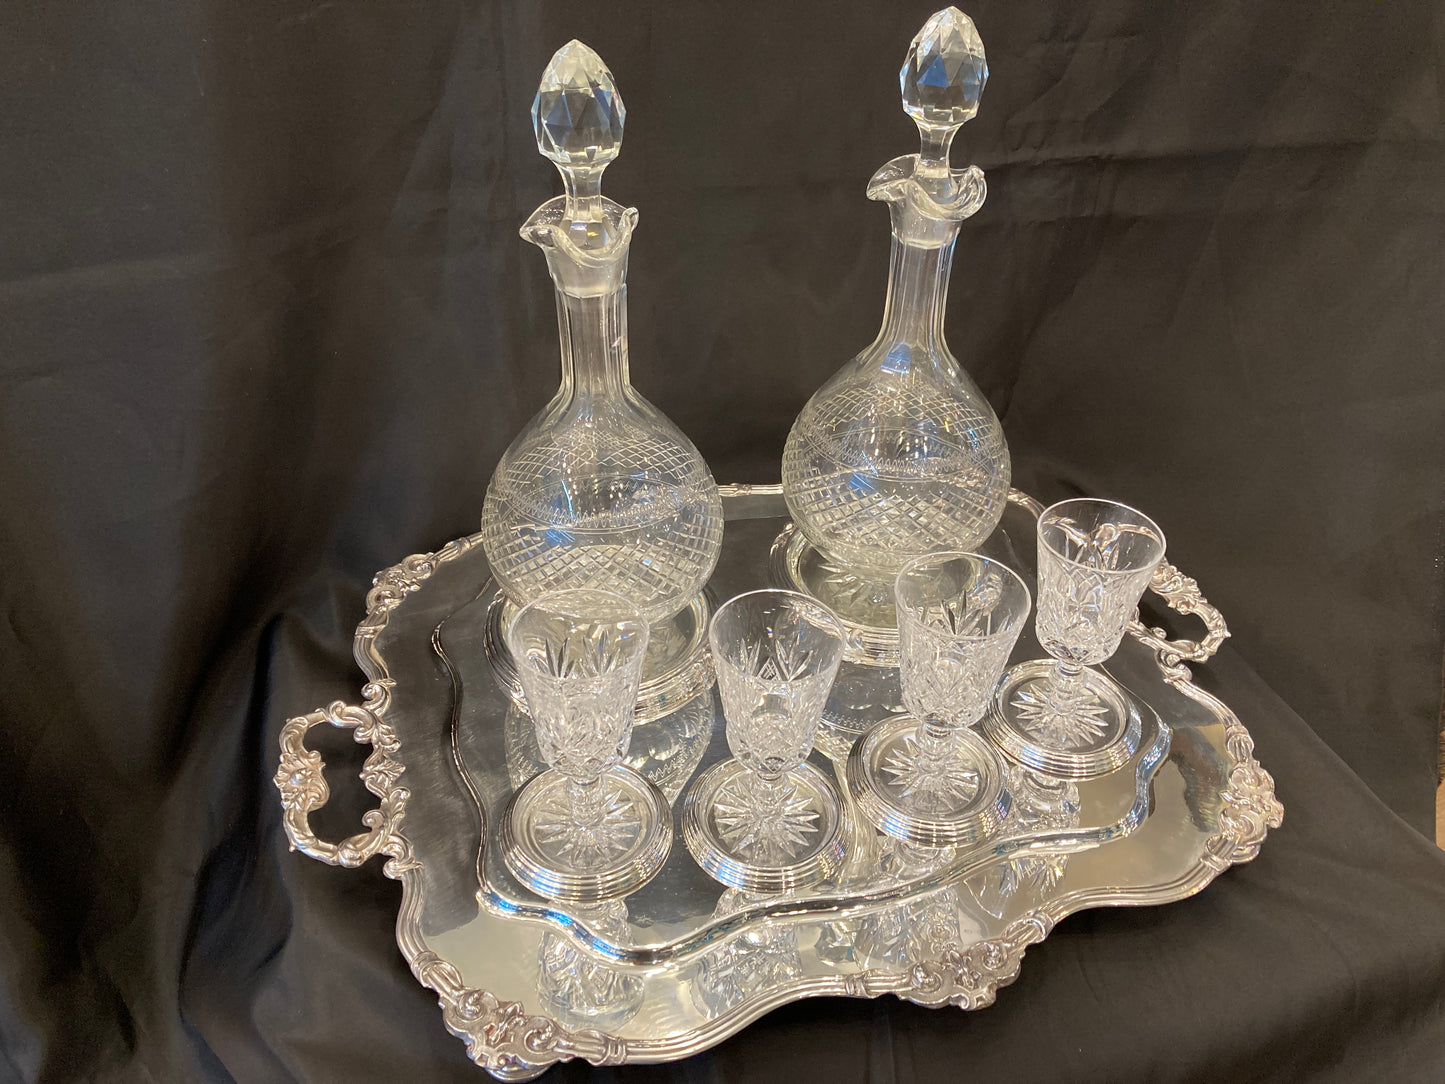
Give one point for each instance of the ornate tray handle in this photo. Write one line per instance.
(1182, 595)
(303, 787)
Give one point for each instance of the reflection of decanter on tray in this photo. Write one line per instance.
(899, 454)
(599, 490)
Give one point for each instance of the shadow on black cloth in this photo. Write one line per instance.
(266, 325)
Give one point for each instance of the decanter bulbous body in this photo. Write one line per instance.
(900, 454)
(600, 490)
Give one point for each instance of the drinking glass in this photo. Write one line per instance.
(587, 828)
(924, 776)
(764, 820)
(1095, 559)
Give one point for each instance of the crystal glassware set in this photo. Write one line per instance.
(603, 524)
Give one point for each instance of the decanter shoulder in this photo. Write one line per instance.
(626, 430)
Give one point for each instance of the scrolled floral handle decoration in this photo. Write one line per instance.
(303, 787)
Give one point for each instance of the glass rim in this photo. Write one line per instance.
(953, 555)
(632, 612)
(778, 592)
(1148, 520)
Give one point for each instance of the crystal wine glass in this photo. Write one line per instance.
(587, 828)
(766, 821)
(923, 776)
(1095, 559)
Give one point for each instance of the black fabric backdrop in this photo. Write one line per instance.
(266, 325)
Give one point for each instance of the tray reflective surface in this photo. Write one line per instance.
(683, 962)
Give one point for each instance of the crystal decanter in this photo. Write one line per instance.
(899, 454)
(599, 491)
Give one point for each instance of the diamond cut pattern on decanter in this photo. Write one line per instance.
(620, 455)
(877, 473)
(651, 567)
(901, 428)
(609, 509)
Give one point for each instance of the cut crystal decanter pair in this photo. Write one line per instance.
(898, 455)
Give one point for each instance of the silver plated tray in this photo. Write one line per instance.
(682, 963)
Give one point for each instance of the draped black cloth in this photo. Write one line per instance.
(266, 325)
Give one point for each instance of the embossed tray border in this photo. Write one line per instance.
(513, 1044)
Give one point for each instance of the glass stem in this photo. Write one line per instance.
(936, 740)
(1067, 675)
(587, 797)
(768, 790)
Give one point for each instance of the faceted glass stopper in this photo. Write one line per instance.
(943, 75)
(578, 114)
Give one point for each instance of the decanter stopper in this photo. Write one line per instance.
(578, 117)
(942, 80)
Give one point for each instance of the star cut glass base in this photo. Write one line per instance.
(607, 853)
(790, 841)
(934, 801)
(1076, 728)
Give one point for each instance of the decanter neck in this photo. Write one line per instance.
(917, 292)
(593, 333)
(587, 258)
